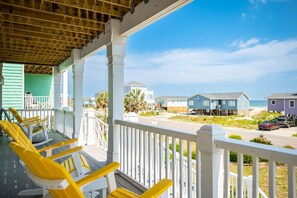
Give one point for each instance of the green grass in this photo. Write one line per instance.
(229, 121)
(281, 177)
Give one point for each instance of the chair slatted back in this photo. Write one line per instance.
(16, 114)
(17, 134)
(47, 169)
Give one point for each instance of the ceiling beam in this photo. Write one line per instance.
(147, 13)
(97, 6)
(50, 17)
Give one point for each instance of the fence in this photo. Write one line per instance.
(149, 153)
(38, 102)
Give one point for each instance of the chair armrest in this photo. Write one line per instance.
(158, 189)
(31, 119)
(65, 153)
(58, 145)
(98, 173)
(33, 122)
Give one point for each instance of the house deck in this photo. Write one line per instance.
(14, 179)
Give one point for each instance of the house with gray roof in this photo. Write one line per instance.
(220, 103)
(283, 102)
(172, 103)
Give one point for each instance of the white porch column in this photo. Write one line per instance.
(77, 71)
(65, 89)
(57, 91)
(212, 171)
(116, 51)
(57, 88)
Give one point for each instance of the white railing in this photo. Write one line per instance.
(95, 131)
(47, 114)
(38, 102)
(247, 186)
(64, 122)
(146, 157)
(272, 153)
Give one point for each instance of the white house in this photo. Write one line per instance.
(148, 95)
(172, 103)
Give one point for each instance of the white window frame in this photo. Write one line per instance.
(224, 102)
(206, 103)
(290, 103)
(191, 102)
(231, 102)
(273, 101)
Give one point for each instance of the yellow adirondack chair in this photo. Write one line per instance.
(76, 165)
(51, 175)
(33, 127)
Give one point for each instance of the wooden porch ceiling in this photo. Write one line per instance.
(43, 32)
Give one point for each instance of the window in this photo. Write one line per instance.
(205, 102)
(273, 102)
(291, 103)
(223, 102)
(191, 102)
(232, 103)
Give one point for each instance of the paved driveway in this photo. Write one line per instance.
(279, 137)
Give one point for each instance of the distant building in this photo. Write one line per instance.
(283, 102)
(89, 102)
(148, 95)
(220, 103)
(172, 103)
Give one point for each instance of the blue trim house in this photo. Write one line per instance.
(283, 102)
(220, 103)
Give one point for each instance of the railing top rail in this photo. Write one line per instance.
(97, 119)
(34, 109)
(269, 152)
(162, 131)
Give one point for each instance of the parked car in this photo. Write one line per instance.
(269, 125)
(193, 112)
(286, 121)
(160, 109)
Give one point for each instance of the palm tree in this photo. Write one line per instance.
(134, 101)
(102, 101)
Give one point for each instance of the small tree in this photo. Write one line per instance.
(102, 101)
(134, 101)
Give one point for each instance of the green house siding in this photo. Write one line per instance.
(39, 84)
(13, 88)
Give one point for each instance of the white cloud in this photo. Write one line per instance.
(243, 15)
(182, 66)
(257, 1)
(243, 44)
(200, 65)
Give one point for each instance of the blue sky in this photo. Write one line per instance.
(211, 46)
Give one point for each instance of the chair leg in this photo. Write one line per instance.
(31, 192)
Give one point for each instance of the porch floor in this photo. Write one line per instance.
(14, 179)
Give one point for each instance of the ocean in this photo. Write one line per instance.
(258, 103)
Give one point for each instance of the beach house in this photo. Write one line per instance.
(148, 94)
(59, 35)
(283, 102)
(236, 103)
(27, 86)
(172, 103)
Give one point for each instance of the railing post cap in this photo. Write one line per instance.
(206, 136)
(211, 130)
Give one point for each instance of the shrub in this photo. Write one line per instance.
(289, 146)
(261, 140)
(294, 135)
(247, 159)
(236, 137)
